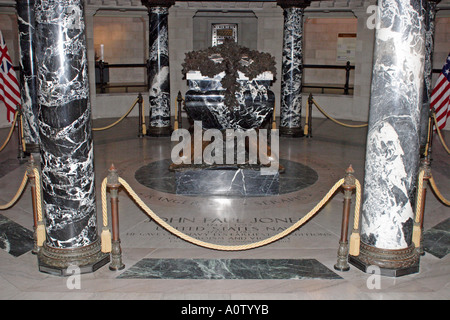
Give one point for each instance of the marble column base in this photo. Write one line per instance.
(159, 131)
(296, 132)
(56, 261)
(392, 263)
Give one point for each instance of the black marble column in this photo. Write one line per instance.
(158, 67)
(292, 68)
(28, 77)
(66, 139)
(429, 8)
(392, 152)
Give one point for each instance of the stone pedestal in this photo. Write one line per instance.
(392, 263)
(57, 261)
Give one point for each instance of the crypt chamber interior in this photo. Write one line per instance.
(122, 139)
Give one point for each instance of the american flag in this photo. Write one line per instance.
(440, 95)
(9, 86)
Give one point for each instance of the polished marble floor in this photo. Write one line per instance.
(159, 265)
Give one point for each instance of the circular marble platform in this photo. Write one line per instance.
(156, 175)
(228, 220)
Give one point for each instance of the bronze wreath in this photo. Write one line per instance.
(234, 58)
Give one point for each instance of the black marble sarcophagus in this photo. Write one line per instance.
(206, 101)
(229, 88)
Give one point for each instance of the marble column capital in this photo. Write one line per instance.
(157, 3)
(293, 3)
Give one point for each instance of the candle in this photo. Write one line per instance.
(102, 49)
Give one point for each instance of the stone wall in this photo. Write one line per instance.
(320, 47)
(124, 40)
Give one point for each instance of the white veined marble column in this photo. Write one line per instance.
(67, 154)
(392, 152)
(292, 68)
(30, 108)
(158, 67)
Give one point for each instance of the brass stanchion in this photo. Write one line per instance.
(306, 127)
(116, 252)
(177, 121)
(180, 109)
(308, 132)
(21, 152)
(274, 117)
(32, 181)
(141, 119)
(348, 186)
(427, 175)
(427, 149)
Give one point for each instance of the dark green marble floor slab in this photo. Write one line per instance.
(14, 239)
(228, 269)
(437, 239)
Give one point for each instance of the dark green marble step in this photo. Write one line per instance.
(228, 269)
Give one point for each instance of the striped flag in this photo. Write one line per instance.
(440, 96)
(9, 86)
